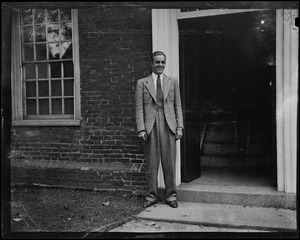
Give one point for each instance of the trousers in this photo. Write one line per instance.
(161, 146)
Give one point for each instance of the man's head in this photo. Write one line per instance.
(158, 62)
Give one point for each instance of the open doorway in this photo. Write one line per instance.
(227, 69)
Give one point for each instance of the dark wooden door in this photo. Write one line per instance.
(197, 78)
(190, 146)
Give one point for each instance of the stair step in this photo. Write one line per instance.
(239, 186)
(237, 195)
(217, 149)
(246, 194)
(233, 126)
(219, 137)
(253, 162)
(222, 117)
(230, 137)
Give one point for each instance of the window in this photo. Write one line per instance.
(46, 83)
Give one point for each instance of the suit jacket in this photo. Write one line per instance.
(146, 105)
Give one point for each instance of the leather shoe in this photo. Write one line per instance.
(149, 203)
(173, 204)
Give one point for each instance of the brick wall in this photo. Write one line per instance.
(115, 45)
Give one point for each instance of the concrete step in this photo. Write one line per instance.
(223, 215)
(230, 149)
(237, 195)
(238, 186)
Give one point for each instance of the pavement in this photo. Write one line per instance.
(211, 217)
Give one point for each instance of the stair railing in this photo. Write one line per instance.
(204, 130)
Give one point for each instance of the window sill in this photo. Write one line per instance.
(37, 123)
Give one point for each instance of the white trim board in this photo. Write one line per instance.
(214, 12)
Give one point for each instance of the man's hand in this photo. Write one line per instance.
(143, 135)
(178, 133)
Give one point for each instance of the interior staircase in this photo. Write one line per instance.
(235, 164)
(233, 139)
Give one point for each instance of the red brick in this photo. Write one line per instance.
(115, 46)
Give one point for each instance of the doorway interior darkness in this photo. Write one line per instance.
(227, 69)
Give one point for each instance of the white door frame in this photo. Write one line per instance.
(287, 47)
(165, 37)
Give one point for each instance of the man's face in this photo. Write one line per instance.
(159, 64)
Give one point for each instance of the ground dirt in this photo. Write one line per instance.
(96, 214)
(68, 210)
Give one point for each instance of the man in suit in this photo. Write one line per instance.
(159, 124)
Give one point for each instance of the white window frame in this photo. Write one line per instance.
(17, 80)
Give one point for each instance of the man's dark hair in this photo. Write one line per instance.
(156, 54)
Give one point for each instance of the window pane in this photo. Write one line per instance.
(31, 107)
(46, 41)
(43, 70)
(53, 15)
(27, 16)
(44, 106)
(65, 14)
(30, 89)
(40, 33)
(67, 50)
(54, 51)
(69, 106)
(27, 34)
(66, 31)
(41, 52)
(28, 52)
(55, 70)
(39, 16)
(53, 35)
(56, 88)
(56, 106)
(68, 88)
(68, 69)
(30, 71)
(43, 88)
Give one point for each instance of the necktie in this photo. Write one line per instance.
(159, 94)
